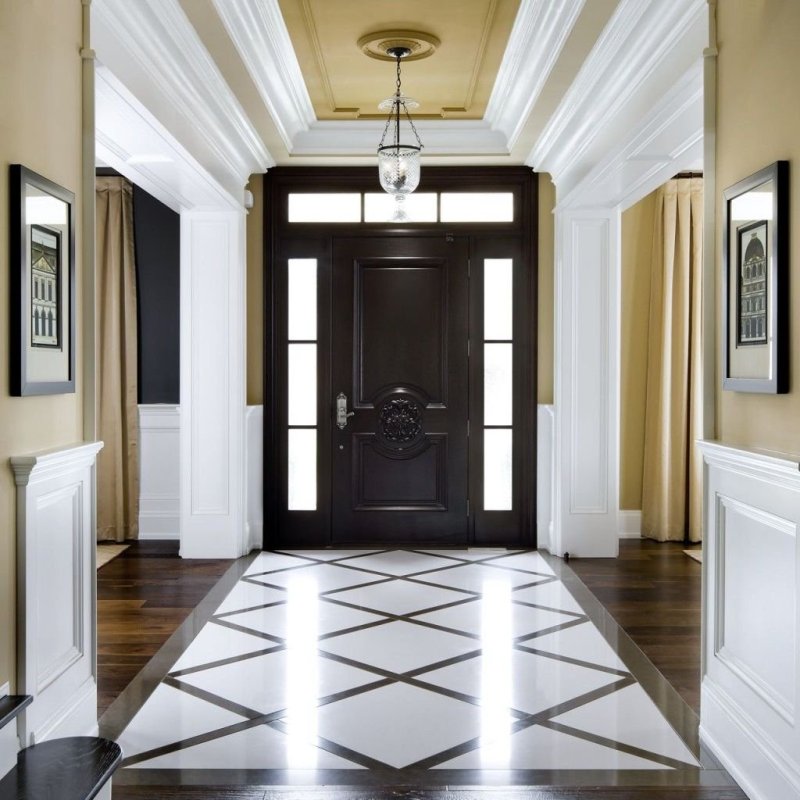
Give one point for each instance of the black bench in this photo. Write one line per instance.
(74, 768)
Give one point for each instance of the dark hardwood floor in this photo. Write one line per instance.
(653, 591)
(143, 595)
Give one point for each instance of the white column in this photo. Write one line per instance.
(212, 384)
(586, 505)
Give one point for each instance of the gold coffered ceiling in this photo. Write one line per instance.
(455, 82)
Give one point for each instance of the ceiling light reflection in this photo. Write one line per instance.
(45, 210)
(752, 205)
(496, 677)
(302, 680)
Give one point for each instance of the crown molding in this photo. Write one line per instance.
(668, 139)
(540, 30)
(360, 138)
(258, 31)
(158, 38)
(638, 38)
(124, 129)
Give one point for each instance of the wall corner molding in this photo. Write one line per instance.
(639, 37)
(50, 464)
(259, 32)
(160, 41)
(540, 30)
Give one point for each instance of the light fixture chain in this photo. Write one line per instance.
(413, 127)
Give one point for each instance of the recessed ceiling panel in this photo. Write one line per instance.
(455, 82)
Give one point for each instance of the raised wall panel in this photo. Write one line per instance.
(589, 367)
(587, 383)
(751, 659)
(56, 598)
(753, 638)
(159, 471)
(212, 385)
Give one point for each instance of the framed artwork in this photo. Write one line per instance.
(42, 285)
(755, 253)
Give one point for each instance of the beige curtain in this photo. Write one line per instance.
(672, 480)
(118, 426)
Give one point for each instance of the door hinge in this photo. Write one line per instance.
(468, 348)
(467, 429)
(467, 507)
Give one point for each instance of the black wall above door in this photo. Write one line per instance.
(157, 230)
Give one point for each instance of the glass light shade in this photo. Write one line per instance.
(398, 168)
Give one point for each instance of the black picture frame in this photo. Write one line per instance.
(42, 231)
(755, 260)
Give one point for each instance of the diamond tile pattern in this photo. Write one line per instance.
(401, 659)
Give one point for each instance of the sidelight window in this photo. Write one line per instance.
(302, 384)
(498, 383)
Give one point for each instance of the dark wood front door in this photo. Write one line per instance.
(399, 356)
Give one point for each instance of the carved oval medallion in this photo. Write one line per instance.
(400, 420)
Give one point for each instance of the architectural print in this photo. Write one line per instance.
(752, 295)
(45, 279)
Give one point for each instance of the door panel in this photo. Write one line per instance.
(399, 333)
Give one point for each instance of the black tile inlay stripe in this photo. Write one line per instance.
(338, 750)
(223, 662)
(613, 744)
(214, 699)
(575, 661)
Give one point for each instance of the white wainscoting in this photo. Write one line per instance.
(751, 675)
(545, 473)
(630, 524)
(9, 744)
(159, 471)
(56, 597)
(254, 485)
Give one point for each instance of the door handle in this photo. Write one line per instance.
(341, 411)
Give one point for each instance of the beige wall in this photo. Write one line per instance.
(637, 247)
(758, 122)
(40, 127)
(255, 308)
(547, 202)
(255, 294)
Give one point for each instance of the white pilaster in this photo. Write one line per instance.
(212, 384)
(587, 383)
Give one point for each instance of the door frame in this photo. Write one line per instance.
(522, 181)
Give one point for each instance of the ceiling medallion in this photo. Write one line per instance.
(378, 44)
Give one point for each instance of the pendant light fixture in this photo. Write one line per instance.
(399, 163)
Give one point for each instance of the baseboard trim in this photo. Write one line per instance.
(630, 524)
(158, 537)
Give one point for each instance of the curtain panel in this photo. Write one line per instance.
(118, 424)
(672, 479)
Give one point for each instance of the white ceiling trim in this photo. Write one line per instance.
(440, 137)
(638, 37)
(258, 31)
(540, 31)
(668, 140)
(158, 36)
(125, 129)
